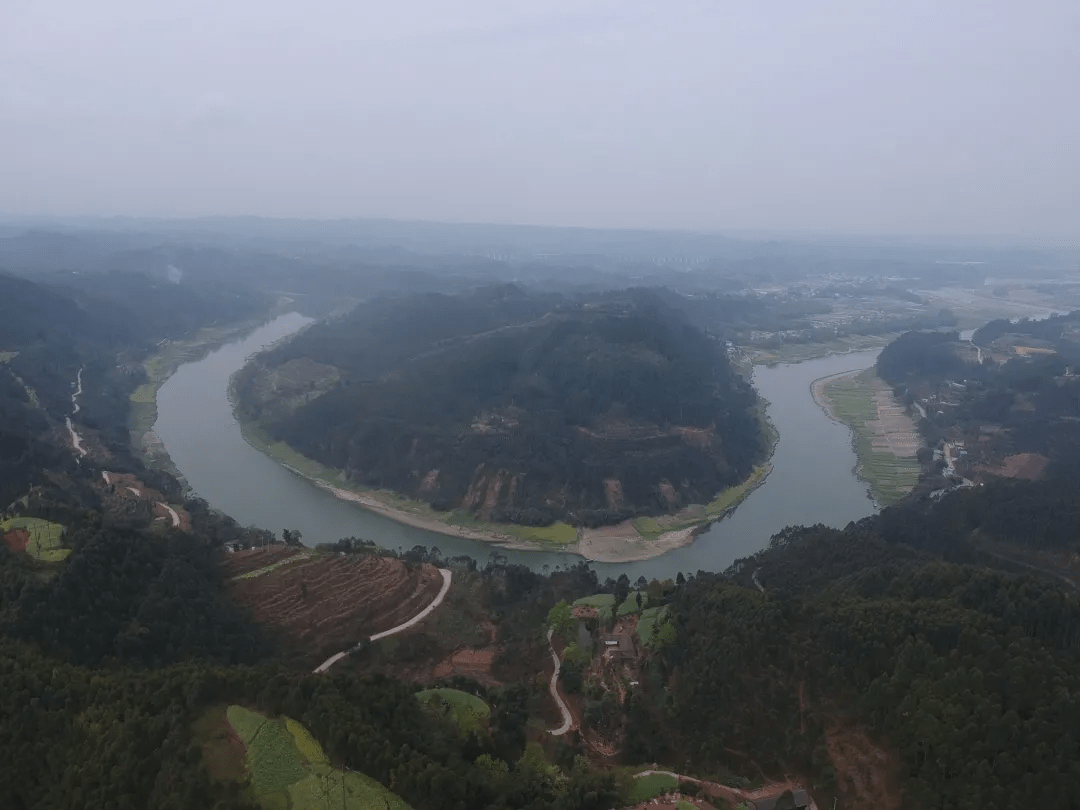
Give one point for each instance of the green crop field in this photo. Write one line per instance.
(600, 601)
(45, 537)
(630, 605)
(288, 769)
(651, 786)
(245, 723)
(653, 627)
(890, 477)
(275, 761)
(307, 745)
(469, 712)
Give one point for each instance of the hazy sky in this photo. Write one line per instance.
(946, 116)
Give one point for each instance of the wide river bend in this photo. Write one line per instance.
(812, 479)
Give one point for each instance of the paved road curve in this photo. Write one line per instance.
(447, 577)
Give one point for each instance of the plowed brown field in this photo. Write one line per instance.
(17, 539)
(328, 602)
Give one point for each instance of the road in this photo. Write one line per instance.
(568, 718)
(731, 795)
(447, 577)
(76, 440)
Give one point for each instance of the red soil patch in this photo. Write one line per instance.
(1027, 466)
(17, 539)
(328, 603)
(865, 773)
(471, 663)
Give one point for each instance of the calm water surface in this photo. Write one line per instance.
(812, 479)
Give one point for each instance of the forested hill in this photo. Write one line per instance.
(898, 679)
(518, 408)
(103, 325)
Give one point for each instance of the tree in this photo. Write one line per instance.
(561, 619)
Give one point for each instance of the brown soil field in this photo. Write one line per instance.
(1028, 466)
(17, 539)
(866, 774)
(470, 663)
(328, 603)
(252, 559)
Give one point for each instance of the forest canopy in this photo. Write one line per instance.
(514, 407)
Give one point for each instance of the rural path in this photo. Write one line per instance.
(733, 796)
(173, 515)
(76, 440)
(568, 719)
(447, 577)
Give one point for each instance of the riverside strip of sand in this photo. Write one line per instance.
(609, 544)
(618, 543)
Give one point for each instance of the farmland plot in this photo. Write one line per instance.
(288, 769)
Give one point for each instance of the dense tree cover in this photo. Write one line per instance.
(138, 597)
(24, 453)
(970, 675)
(518, 408)
(74, 737)
(101, 325)
(1041, 515)
(74, 321)
(922, 355)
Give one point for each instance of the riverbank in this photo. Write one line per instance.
(884, 437)
(162, 365)
(800, 352)
(630, 541)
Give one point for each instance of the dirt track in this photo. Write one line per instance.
(568, 719)
(327, 602)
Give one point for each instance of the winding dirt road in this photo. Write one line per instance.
(447, 577)
(568, 718)
(76, 440)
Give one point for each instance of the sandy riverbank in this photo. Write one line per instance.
(608, 544)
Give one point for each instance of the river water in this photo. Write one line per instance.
(812, 479)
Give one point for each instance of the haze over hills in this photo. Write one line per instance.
(515, 408)
(847, 664)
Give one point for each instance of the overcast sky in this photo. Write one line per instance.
(947, 116)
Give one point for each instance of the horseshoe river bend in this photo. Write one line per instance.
(812, 479)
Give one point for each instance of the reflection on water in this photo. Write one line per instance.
(812, 479)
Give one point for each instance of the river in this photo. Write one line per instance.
(812, 479)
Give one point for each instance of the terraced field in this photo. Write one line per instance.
(323, 603)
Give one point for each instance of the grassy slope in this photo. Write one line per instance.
(651, 786)
(285, 766)
(469, 712)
